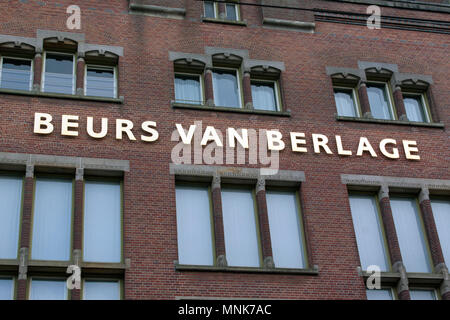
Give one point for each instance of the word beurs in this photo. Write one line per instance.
(69, 127)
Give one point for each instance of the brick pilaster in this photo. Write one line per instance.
(247, 88)
(80, 75)
(399, 104)
(264, 228)
(209, 90)
(222, 10)
(364, 100)
(37, 71)
(218, 223)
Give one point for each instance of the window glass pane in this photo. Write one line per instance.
(6, 289)
(381, 294)
(441, 213)
(100, 82)
(368, 232)
(226, 90)
(11, 201)
(231, 12)
(187, 89)
(410, 235)
(102, 222)
(194, 226)
(16, 74)
(263, 96)
(379, 102)
(52, 220)
(285, 229)
(59, 77)
(210, 11)
(344, 103)
(48, 290)
(239, 224)
(414, 109)
(101, 290)
(422, 294)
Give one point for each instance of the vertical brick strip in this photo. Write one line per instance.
(37, 71)
(80, 75)
(78, 224)
(209, 90)
(399, 104)
(222, 10)
(218, 222)
(364, 100)
(247, 88)
(264, 228)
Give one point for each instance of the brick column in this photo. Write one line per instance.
(80, 75)
(25, 233)
(78, 225)
(399, 104)
(392, 240)
(218, 223)
(247, 88)
(364, 100)
(433, 240)
(222, 10)
(37, 71)
(209, 90)
(264, 228)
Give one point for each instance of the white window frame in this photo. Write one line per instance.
(276, 88)
(435, 292)
(13, 279)
(391, 289)
(389, 97)
(97, 279)
(236, 9)
(202, 90)
(16, 58)
(238, 79)
(216, 10)
(354, 96)
(100, 67)
(425, 108)
(46, 278)
(74, 78)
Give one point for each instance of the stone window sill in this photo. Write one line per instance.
(177, 105)
(183, 267)
(61, 96)
(414, 278)
(225, 21)
(397, 122)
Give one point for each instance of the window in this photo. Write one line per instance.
(43, 289)
(232, 12)
(369, 232)
(101, 290)
(227, 92)
(285, 229)
(16, 74)
(441, 214)
(10, 199)
(415, 107)
(194, 221)
(380, 101)
(6, 288)
(101, 81)
(265, 95)
(188, 89)
(422, 294)
(52, 220)
(346, 102)
(59, 75)
(379, 294)
(102, 233)
(210, 9)
(240, 228)
(410, 233)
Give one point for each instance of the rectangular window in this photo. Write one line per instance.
(415, 108)
(59, 75)
(379, 294)
(240, 227)
(369, 232)
(41, 289)
(410, 233)
(194, 226)
(380, 102)
(188, 89)
(101, 290)
(265, 95)
(6, 288)
(285, 229)
(101, 82)
(102, 233)
(16, 74)
(227, 92)
(210, 9)
(422, 294)
(232, 11)
(52, 220)
(346, 102)
(10, 212)
(441, 214)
